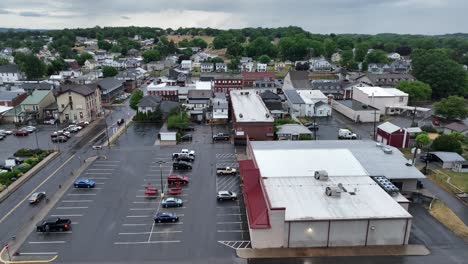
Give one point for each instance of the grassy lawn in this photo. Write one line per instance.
(448, 218)
(458, 179)
(440, 177)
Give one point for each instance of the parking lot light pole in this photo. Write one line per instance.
(160, 170)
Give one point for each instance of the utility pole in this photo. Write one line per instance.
(375, 121)
(414, 116)
(315, 126)
(160, 170)
(107, 132)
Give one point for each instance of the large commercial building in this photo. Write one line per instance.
(326, 194)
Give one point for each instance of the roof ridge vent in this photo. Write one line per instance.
(321, 175)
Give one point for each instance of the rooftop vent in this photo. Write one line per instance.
(379, 145)
(333, 191)
(246, 93)
(242, 93)
(240, 116)
(267, 115)
(385, 184)
(387, 150)
(321, 175)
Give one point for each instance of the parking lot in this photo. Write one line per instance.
(118, 217)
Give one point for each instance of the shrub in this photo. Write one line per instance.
(24, 167)
(447, 143)
(429, 129)
(30, 152)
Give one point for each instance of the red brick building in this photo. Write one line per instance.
(249, 78)
(8, 98)
(225, 84)
(251, 118)
(392, 135)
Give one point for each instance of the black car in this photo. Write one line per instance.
(186, 158)
(221, 137)
(164, 217)
(53, 224)
(189, 128)
(427, 157)
(60, 139)
(312, 126)
(186, 137)
(181, 165)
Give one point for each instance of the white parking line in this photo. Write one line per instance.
(69, 215)
(66, 208)
(39, 253)
(146, 202)
(99, 183)
(105, 165)
(137, 216)
(94, 188)
(176, 223)
(232, 231)
(136, 224)
(74, 223)
(98, 178)
(81, 194)
(96, 173)
(154, 232)
(146, 242)
(142, 209)
(46, 242)
(101, 169)
(226, 223)
(77, 201)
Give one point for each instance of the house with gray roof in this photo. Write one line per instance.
(293, 132)
(77, 102)
(32, 86)
(10, 73)
(10, 98)
(220, 105)
(459, 126)
(149, 103)
(197, 104)
(110, 88)
(298, 80)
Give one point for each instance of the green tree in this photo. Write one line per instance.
(317, 48)
(135, 99)
(178, 121)
(329, 47)
(56, 66)
(115, 49)
(377, 56)
(234, 64)
(295, 48)
(4, 61)
(109, 71)
(264, 59)
(436, 68)
(347, 58)
(222, 40)
(361, 51)
(81, 59)
(198, 42)
(32, 66)
(345, 43)
(151, 55)
(417, 90)
(102, 44)
(261, 46)
(235, 49)
(364, 66)
(447, 143)
(452, 107)
(423, 139)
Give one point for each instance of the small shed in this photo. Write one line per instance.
(167, 137)
(448, 159)
(460, 166)
(293, 132)
(392, 135)
(461, 127)
(356, 111)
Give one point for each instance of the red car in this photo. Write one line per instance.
(436, 122)
(21, 133)
(171, 179)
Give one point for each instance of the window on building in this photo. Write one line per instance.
(402, 99)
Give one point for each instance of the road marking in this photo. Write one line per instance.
(81, 194)
(46, 242)
(69, 215)
(35, 189)
(228, 214)
(105, 165)
(225, 223)
(222, 207)
(135, 224)
(155, 232)
(99, 178)
(77, 201)
(101, 169)
(176, 223)
(66, 208)
(39, 253)
(100, 183)
(232, 231)
(137, 216)
(74, 223)
(146, 202)
(146, 242)
(96, 173)
(141, 209)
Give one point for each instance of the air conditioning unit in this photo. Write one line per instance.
(321, 175)
(387, 150)
(333, 191)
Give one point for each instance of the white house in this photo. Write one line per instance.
(336, 57)
(206, 67)
(90, 64)
(307, 103)
(246, 67)
(221, 67)
(186, 65)
(220, 108)
(394, 56)
(10, 73)
(387, 100)
(261, 67)
(321, 65)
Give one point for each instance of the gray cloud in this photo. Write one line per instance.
(321, 16)
(3, 12)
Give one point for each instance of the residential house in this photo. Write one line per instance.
(89, 65)
(266, 84)
(29, 87)
(251, 118)
(113, 63)
(385, 79)
(197, 104)
(246, 67)
(274, 103)
(132, 53)
(356, 111)
(321, 65)
(68, 75)
(149, 103)
(336, 57)
(78, 102)
(400, 66)
(155, 66)
(307, 103)
(132, 63)
(378, 68)
(394, 56)
(298, 80)
(331, 88)
(392, 135)
(34, 105)
(245, 60)
(10, 98)
(181, 76)
(88, 78)
(459, 126)
(220, 105)
(388, 100)
(261, 67)
(166, 90)
(206, 67)
(110, 88)
(10, 73)
(280, 66)
(293, 132)
(221, 67)
(186, 65)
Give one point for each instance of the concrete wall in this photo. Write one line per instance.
(361, 116)
(347, 233)
(380, 103)
(274, 237)
(387, 232)
(301, 236)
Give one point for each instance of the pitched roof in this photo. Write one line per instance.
(293, 97)
(200, 94)
(36, 97)
(109, 84)
(293, 129)
(300, 79)
(8, 95)
(77, 88)
(457, 126)
(149, 101)
(167, 106)
(268, 95)
(388, 127)
(37, 86)
(9, 68)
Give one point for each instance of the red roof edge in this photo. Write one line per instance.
(255, 203)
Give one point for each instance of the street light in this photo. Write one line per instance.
(160, 170)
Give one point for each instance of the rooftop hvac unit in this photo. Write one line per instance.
(333, 191)
(321, 175)
(386, 184)
(246, 93)
(387, 150)
(240, 115)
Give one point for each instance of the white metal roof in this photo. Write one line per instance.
(388, 127)
(249, 107)
(380, 92)
(370, 157)
(304, 199)
(312, 96)
(304, 162)
(203, 85)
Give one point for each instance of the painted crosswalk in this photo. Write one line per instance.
(236, 244)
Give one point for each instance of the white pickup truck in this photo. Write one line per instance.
(226, 171)
(184, 152)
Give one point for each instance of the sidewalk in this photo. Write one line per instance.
(408, 250)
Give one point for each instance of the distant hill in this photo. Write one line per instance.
(20, 29)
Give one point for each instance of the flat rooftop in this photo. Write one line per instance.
(350, 158)
(304, 199)
(380, 92)
(249, 107)
(356, 105)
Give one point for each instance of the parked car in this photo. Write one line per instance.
(97, 147)
(226, 171)
(189, 128)
(83, 123)
(30, 129)
(54, 224)
(84, 183)
(36, 197)
(50, 121)
(60, 139)
(436, 122)
(120, 121)
(426, 157)
(21, 133)
(312, 126)
(186, 137)
(185, 157)
(165, 217)
(226, 195)
(172, 202)
(221, 137)
(171, 179)
(2, 136)
(181, 165)
(346, 134)
(6, 132)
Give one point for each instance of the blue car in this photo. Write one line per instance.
(84, 183)
(165, 217)
(172, 202)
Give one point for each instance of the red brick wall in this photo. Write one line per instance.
(256, 131)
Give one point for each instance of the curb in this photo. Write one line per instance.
(119, 132)
(23, 179)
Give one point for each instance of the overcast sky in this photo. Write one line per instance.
(317, 16)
